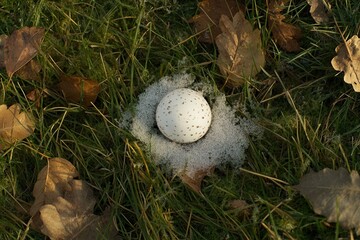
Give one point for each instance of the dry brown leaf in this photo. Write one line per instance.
(52, 182)
(194, 181)
(35, 96)
(334, 194)
(238, 204)
(240, 52)
(65, 216)
(63, 207)
(284, 34)
(29, 71)
(79, 90)
(319, 10)
(59, 224)
(241, 206)
(206, 23)
(14, 125)
(3, 38)
(348, 61)
(276, 6)
(22, 46)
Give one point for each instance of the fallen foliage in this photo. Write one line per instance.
(63, 207)
(14, 125)
(79, 90)
(30, 71)
(347, 60)
(240, 52)
(284, 34)
(206, 23)
(194, 181)
(334, 194)
(21, 47)
(3, 38)
(319, 10)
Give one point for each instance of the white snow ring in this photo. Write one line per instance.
(226, 140)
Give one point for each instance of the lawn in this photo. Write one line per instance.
(309, 115)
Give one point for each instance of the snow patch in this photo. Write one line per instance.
(226, 140)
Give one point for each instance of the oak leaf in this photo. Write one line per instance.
(334, 194)
(63, 207)
(79, 90)
(207, 22)
(240, 52)
(52, 181)
(20, 47)
(284, 34)
(348, 61)
(14, 125)
(319, 10)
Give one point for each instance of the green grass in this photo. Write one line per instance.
(310, 116)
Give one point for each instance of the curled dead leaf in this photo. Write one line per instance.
(63, 207)
(79, 90)
(348, 61)
(14, 125)
(22, 46)
(240, 52)
(206, 23)
(52, 182)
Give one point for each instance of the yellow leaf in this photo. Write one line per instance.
(348, 61)
(240, 52)
(14, 125)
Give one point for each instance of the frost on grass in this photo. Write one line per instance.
(226, 140)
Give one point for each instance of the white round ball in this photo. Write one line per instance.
(183, 115)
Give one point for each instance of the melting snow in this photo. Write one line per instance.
(226, 140)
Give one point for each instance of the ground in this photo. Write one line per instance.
(309, 115)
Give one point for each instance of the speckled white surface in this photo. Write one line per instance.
(183, 115)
